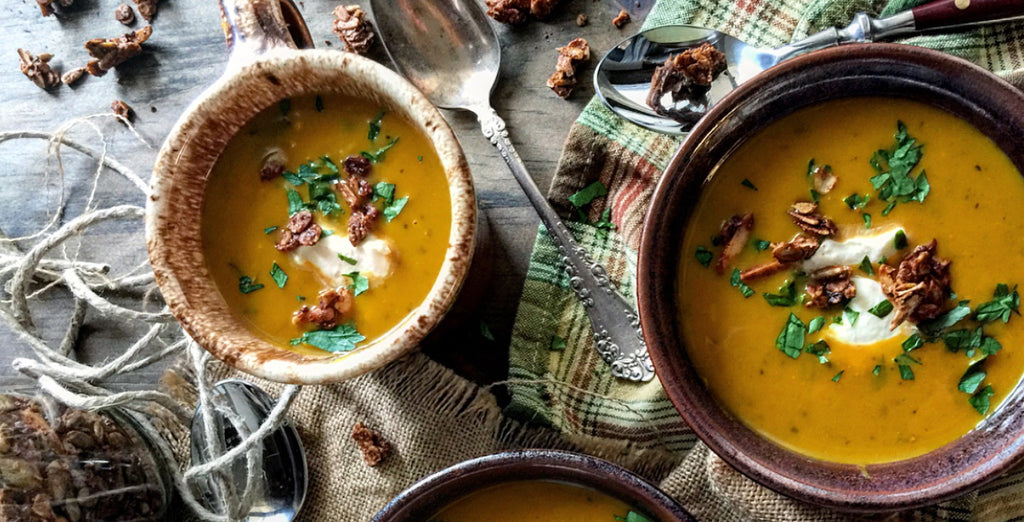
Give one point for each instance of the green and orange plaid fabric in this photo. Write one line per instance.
(571, 389)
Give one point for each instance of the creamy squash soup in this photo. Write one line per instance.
(326, 222)
(848, 281)
(538, 501)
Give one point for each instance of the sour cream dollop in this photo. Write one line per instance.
(375, 259)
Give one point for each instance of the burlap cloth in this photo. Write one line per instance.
(567, 399)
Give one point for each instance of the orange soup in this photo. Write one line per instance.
(326, 222)
(848, 280)
(538, 501)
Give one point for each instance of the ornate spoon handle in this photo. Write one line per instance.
(616, 326)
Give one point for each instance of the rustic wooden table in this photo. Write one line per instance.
(187, 53)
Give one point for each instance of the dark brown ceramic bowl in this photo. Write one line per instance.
(954, 85)
(428, 496)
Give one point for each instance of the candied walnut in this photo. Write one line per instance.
(734, 234)
(111, 52)
(824, 179)
(375, 449)
(518, 11)
(763, 270)
(355, 191)
(37, 69)
(72, 76)
(124, 14)
(919, 286)
(147, 9)
(333, 305)
(352, 27)
(310, 236)
(357, 166)
(621, 19)
(830, 286)
(581, 20)
(124, 112)
(686, 75)
(805, 215)
(300, 221)
(570, 58)
(273, 164)
(800, 248)
(300, 231)
(360, 223)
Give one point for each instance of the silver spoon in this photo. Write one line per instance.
(623, 77)
(449, 50)
(282, 488)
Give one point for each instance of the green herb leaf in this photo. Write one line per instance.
(960, 339)
(324, 232)
(819, 349)
(865, 266)
(378, 155)
(867, 219)
(285, 105)
(269, 229)
(419, 159)
(903, 361)
(295, 203)
(485, 331)
(989, 346)
(972, 379)
(737, 281)
(791, 339)
(278, 275)
(588, 194)
(703, 256)
(604, 224)
(982, 400)
(347, 259)
(936, 326)
(385, 191)
(392, 210)
(815, 324)
(327, 162)
(632, 516)
(877, 370)
(341, 338)
(359, 283)
(1001, 307)
(899, 241)
(856, 201)
(815, 196)
(881, 309)
(838, 376)
(557, 344)
(292, 178)
(246, 285)
(850, 316)
(786, 296)
(375, 127)
(761, 245)
(747, 183)
(894, 181)
(912, 343)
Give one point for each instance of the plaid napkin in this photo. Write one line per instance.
(570, 388)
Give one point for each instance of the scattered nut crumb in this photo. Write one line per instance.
(123, 111)
(147, 8)
(111, 52)
(375, 449)
(46, 6)
(621, 20)
(37, 69)
(581, 20)
(72, 76)
(332, 306)
(124, 14)
(518, 11)
(569, 59)
(352, 27)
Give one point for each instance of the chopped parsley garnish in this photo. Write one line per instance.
(588, 194)
(747, 183)
(972, 378)
(785, 297)
(791, 339)
(912, 343)
(936, 326)
(331, 166)
(341, 338)
(347, 259)
(321, 192)
(865, 266)
(1004, 304)
(326, 232)
(815, 196)
(838, 376)
(419, 159)
(737, 281)
(850, 316)
(246, 285)
(375, 127)
(278, 275)
(881, 309)
(394, 208)
(286, 106)
(856, 201)
(385, 191)
(867, 219)
(815, 324)
(485, 331)
(604, 224)
(378, 155)
(989, 346)
(761, 245)
(632, 516)
(270, 229)
(982, 400)
(971, 341)
(899, 240)
(300, 298)
(894, 182)
(359, 283)
(903, 361)
(703, 256)
(877, 370)
(557, 344)
(295, 203)
(820, 349)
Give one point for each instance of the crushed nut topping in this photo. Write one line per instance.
(37, 69)
(300, 231)
(581, 20)
(734, 235)
(111, 52)
(830, 286)
(805, 215)
(621, 19)
(360, 223)
(352, 27)
(123, 111)
(518, 11)
(333, 306)
(357, 166)
(375, 449)
(72, 76)
(919, 286)
(800, 248)
(824, 179)
(763, 270)
(124, 14)
(685, 75)
(570, 58)
(147, 8)
(273, 164)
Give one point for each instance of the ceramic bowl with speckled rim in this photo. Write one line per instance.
(265, 67)
(991, 105)
(428, 496)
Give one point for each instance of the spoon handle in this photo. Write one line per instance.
(616, 326)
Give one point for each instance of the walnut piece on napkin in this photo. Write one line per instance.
(375, 449)
(570, 58)
(46, 6)
(147, 9)
(111, 52)
(352, 27)
(37, 69)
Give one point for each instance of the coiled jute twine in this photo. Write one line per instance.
(48, 259)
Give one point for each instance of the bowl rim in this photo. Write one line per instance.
(815, 480)
(186, 284)
(450, 484)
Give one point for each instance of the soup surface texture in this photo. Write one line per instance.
(837, 382)
(536, 501)
(248, 210)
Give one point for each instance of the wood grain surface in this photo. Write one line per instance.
(187, 53)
